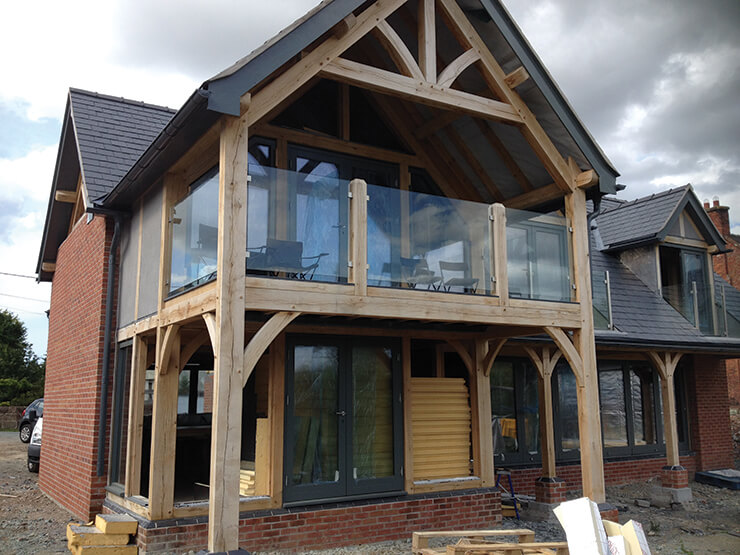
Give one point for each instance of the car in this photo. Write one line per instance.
(34, 447)
(32, 412)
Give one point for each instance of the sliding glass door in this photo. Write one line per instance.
(343, 434)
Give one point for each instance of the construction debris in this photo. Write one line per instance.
(111, 535)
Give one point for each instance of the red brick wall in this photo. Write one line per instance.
(73, 370)
(710, 414)
(308, 528)
(615, 473)
(726, 265)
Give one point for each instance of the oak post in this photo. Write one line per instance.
(223, 508)
(358, 233)
(483, 394)
(589, 416)
(136, 417)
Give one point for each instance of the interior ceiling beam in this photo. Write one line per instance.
(474, 163)
(495, 77)
(435, 124)
(498, 145)
(427, 40)
(455, 68)
(380, 80)
(550, 192)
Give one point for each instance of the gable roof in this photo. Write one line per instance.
(112, 133)
(102, 136)
(648, 219)
(221, 94)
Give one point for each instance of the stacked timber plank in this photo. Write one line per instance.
(111, 535)
(478, 542)
(441, 424)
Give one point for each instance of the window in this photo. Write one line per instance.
(119, 424)
(343, 429)
(685, 284)
(628, 393)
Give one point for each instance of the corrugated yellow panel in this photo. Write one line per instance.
(440, 424)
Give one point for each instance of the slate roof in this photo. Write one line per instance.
(112, 133)
(732, 296)
(643, 219)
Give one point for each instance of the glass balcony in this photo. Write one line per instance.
(693, 302)
(195, 235)
(601, 299)
(421, 241)
(538, 255)
(297, 223)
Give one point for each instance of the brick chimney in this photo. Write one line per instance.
(720, 216)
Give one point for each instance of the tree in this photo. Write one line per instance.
(21, 371)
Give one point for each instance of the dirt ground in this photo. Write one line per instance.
(30, 523)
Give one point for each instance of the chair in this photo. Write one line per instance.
(286, 257)
(468, 284)
(415, 271)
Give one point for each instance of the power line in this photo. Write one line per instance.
(17, 275)
(23, 310)
(24, 298)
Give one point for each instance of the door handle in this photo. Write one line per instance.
(341, 413)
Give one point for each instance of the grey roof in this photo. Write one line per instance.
(221, 95)
(102, 136)
(112, 133)
(627, 223)
(648, 219)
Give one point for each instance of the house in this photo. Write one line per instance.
(322, 302)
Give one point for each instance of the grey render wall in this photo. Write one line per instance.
(151, 239)
(129, 253)
(643, 263)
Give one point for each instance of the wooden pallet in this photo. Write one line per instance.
(464, 546)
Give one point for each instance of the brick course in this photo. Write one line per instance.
(341, 524)
(73, 370)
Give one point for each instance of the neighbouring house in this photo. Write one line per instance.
(350, 278)
(727, 270)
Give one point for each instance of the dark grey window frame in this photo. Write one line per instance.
(120, 388)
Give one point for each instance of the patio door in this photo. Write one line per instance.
(343, 434)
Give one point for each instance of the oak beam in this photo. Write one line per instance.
(223, 493)
(495, 77)
(164, 429)
(50, 267)
(263, 338)
(427, 38)
(483, 360)
(168, 346)
(397, 50)
(499, 255)
(516, 77)
(455, 68)
(393, 84)
(269, 97)
(136, 416)
(66, 196)
(535, 197)
(492, 353)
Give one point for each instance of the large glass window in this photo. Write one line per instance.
(685, 285)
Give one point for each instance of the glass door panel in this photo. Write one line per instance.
(372, 416)
(313, 462)
(694, 266)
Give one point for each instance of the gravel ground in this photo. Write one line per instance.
(30, 523)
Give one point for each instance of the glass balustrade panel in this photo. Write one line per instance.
(427, 242)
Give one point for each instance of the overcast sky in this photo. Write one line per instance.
(657, 82)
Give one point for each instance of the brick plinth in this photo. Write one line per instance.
(301, 528)
(674, 477)
(550, 490)
(73, 370)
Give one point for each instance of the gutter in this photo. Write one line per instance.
(107, 337)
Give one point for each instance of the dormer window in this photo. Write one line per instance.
(685, 284)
